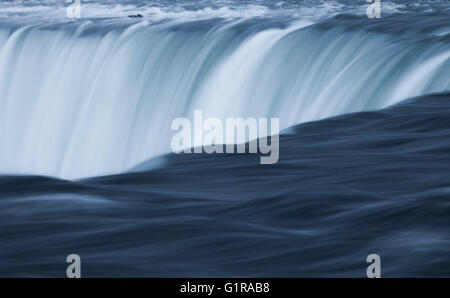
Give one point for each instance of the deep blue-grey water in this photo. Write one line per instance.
(86, 107)
(344, 187)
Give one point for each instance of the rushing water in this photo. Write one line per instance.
(97, 95)
(344, 188)
(92, 100)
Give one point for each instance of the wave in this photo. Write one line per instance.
(344, 188)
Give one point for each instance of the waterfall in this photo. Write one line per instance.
(82, 98)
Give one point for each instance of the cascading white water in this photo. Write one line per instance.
(87, 99)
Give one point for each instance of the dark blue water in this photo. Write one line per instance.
(344, 187)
